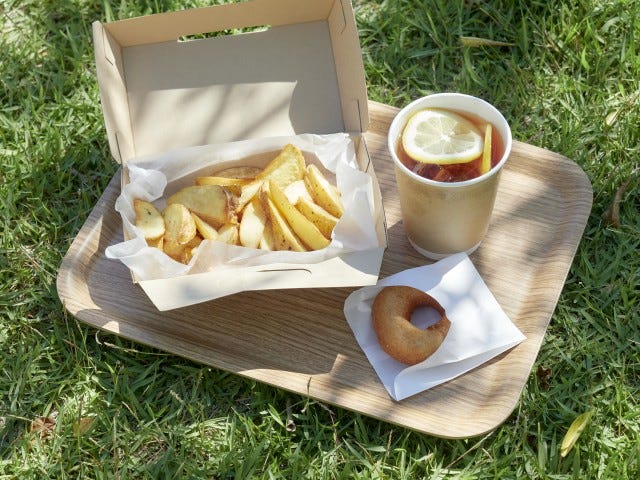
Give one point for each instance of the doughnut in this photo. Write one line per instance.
(391, 315)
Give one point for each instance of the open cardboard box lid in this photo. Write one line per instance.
(166, 83)
(161, 87)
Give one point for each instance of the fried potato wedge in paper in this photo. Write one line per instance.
(241, 171)
(296, 190)
(180, 228)
(156, 242)
(194, 242)
(301, 226)
(234, 185)
(213, 203)
(204, 229)
(182, 252)
(266, 242)
(148, 219)
(284, 238)
(323, 220)
(234, 178)
(228, 234)
(174, 250)
(252, 225)
(286, 168)
(248, 192)
(323, 193)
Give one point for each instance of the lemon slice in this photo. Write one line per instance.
(486, 153)
(441, 137)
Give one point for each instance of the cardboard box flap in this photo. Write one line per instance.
(300, 71)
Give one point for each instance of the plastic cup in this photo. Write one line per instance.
(444, 218)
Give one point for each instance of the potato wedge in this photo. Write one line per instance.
(148, 219)
(155, 242)
(317, 215)
(242, 171)
(191, 248)
(266, 242)
(252, 224)
(302, 227)
(283, 237)
(180, 226)
(248, 192)
(286, 168)
(174, 250)
(296, 190)
(183, 253)
(187, 255)
(204, 229)
(323, 193)
(234, 185)
(194, 242)
(228, 234)
(212, 203)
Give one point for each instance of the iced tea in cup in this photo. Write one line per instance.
(448, 150)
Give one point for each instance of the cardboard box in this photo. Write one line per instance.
(181, 79)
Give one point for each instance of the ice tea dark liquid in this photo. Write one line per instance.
(456, 172)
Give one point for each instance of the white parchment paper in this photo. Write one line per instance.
(479, 330)
(154, 177)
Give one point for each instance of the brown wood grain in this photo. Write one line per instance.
(299, 340)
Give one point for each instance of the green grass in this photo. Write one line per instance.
(117, 409)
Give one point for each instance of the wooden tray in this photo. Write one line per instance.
(299, 340)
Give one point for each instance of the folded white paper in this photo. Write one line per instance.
(479, 329)
(153, 177)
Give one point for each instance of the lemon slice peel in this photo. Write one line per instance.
(486, 152)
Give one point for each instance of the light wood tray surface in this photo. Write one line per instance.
(299, 340)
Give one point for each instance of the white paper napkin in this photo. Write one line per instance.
(479, 330)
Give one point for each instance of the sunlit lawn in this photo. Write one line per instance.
(79, 403)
